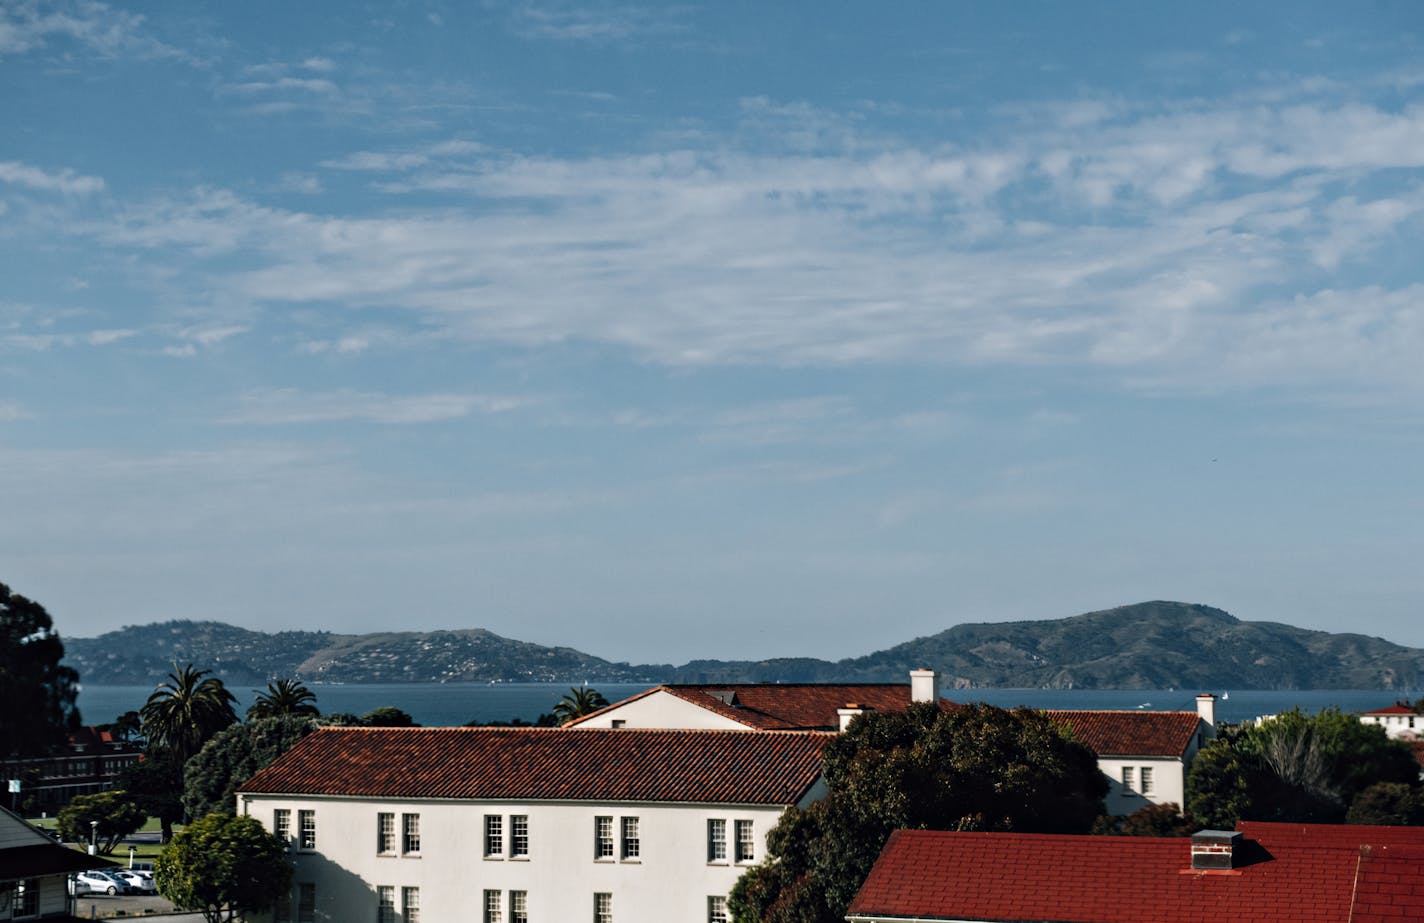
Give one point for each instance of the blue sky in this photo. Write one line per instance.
(738, 330)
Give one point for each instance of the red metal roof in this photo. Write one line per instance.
(1131, 733)
(1296, 875)
(782, 706)
(719, 767)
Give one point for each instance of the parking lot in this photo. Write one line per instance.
(101, 906)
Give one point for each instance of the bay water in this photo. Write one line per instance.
(453, 704)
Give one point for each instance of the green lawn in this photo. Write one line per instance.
(143, 852)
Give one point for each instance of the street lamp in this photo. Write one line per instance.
(93, 837)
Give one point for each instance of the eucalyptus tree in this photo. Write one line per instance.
(36, 689)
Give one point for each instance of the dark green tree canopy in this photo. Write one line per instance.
(1295, 768)
(974, 768)
(37, 690)
(115, 811)
(155, 784)
(233, 756)
(284, 697)
(224, 867)
(186, 710)
(387, 716)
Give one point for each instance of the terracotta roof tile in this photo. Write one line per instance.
(1131, 733)
(1398, 708)
(783, 706)
(723, 767)
(1295, 874)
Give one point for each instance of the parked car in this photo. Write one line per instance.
(99, 882)
(135, 879)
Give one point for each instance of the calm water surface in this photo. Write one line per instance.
(456, 704)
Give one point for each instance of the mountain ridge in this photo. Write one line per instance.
(1156, 644)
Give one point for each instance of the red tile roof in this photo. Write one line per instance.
(721, 767)
(1398, 708)
(1350, 835)
(1296, 875)
(783, 706)
(1131, 733)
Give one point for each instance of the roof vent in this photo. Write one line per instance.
(1214, 850)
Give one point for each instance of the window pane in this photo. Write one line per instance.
(716, 910)
(282, 825)
(410, 905)
(410, 833)
(385, 833)
(1146, 780)
(603, 837)
(386, 904)
(518, 907)
(493, 913)
(716, 840)
(306, 902)
(306, 822)
(494, 835)
(746, 842)
(519, 835)
(603, 908)
(631, 845)
(1127, 778)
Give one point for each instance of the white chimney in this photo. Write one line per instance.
(924, 686)
(1206, 708)
(849, 711)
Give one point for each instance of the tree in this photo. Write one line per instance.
(155, 784)
(1388, 803)
(211, 778)
(116, 813)
(387, 716)
(224, 867)
(577, 702)
(284, 697)
(1294, 768)
(1149, 820)
(37, 689)
(975, 768)
(128, 726)
(184, 712)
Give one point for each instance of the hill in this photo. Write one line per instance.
(1142, 646)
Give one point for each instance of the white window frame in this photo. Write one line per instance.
(306, 830)
(603, 845)
(385, 833)
(717, 909)
(630, 844)
(386, 904)
(494, 836)
(1127, 779)
(602, 907)
(744, 842)
(410, 834)
(518, 907)
(494, 908)
(282, 826)
(519, 836)
(1146, 782)
(410, 905)
(716, 840)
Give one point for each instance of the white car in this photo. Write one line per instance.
(136, 879)
(95, 882)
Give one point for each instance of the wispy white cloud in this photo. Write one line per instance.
(598, 23)
(63, 180)
(28, 25)
(287, 406)
(10, 411)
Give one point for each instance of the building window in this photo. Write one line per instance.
(1127, 778)
(1146, 776)
(603, 908)
(282, 826)
(306, 826)
(603, 838)
(716, 909)
(618, 723)
(410, 905)
(519, 835)
(386, 835)
(746, 842)
(630, 843)
(26, 898)
(306, 902)
(385, 904)
(716, 840)
(410, 833)
(518, 907)
(494, 835)
(493, 912)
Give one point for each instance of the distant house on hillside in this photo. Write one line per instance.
(514, 825)
(762, 706)
(34, 872)
(1399, 720)
(1262, 873)
(1144, 754)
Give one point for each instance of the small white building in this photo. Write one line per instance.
(34, 872)
(509, 825)
(1399, 721)
(1144, 754)
(761, 706)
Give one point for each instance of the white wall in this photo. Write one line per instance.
(670, 882)
(1168, 782)
(662, 709)
(1406, 727)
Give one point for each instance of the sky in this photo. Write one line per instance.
(737, 330)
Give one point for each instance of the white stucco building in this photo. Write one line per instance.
(1399, 721)
(1144, 754)
(519, 825)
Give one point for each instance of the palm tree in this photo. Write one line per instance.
(284, 697)
(578, 702)
(184, 712)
